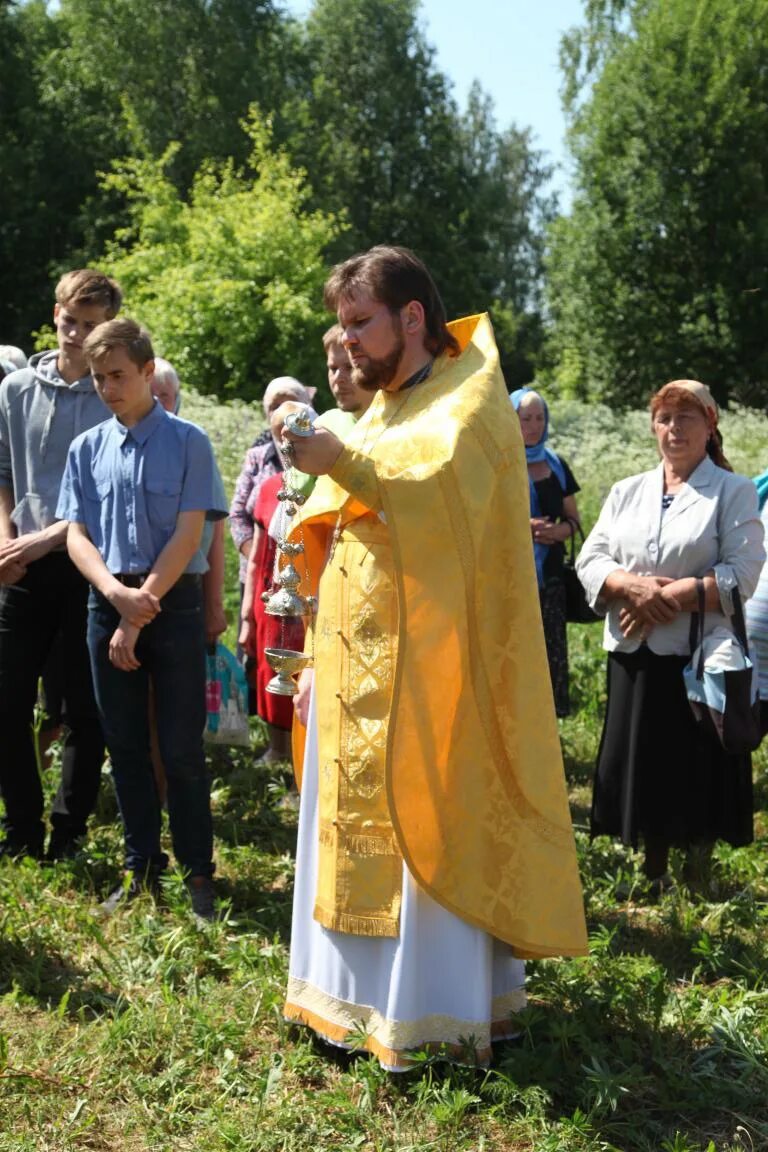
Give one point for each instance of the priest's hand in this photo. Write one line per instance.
(315, 454)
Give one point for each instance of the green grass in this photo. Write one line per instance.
(147, 1032)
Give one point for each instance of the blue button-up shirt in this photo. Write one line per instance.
(128, 486)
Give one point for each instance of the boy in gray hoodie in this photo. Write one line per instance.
(43, 407)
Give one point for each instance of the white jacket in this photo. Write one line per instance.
(712, 523)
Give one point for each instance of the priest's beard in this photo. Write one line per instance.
(375, 374)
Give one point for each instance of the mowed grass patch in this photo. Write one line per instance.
(147, 1033)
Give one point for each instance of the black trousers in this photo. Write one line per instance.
(51, 599)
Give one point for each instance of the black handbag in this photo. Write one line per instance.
(577, 609)
(724, 700)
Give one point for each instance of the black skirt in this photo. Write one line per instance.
(658, 773)
(552, 598)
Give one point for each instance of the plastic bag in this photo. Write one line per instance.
(226, 700)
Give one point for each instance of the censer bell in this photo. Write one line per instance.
(293, 549)
(286, 601)
(291, 495)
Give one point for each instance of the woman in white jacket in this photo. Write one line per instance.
(659, 778)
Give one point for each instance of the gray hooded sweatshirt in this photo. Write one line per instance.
(40, 415)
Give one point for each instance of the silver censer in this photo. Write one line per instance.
(285, 600)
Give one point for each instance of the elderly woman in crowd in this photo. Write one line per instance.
(258, 629)
(166, 386)
(554, 517)
(661, 777)
(261, 461)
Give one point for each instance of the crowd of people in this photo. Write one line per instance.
(435, 848)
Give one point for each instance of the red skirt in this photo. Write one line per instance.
(271, 631)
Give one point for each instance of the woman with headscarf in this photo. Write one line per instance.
(258, 629)
(554, 519)
(261, 461)
(661, 777)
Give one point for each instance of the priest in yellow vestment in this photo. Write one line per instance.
(435, 843)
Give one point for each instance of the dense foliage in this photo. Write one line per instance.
(229, 279)
(120, 121)
(156, 94)
(660, 269)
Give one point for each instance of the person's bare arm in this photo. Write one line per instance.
(682, 592)
(644, 595)
(87, 559)
(31, 546)
(247, 634)
(11, 569)
(176, 555)
(165, 572)
(136, 606)
(17, 552)
(7, 526)
(571, 512)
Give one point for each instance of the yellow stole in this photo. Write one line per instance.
(436, 731)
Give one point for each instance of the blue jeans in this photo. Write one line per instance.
(171, 651)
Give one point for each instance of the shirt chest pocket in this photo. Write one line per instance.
(162, 501)
(101, 494)
(98, 506)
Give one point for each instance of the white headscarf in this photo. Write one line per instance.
(290, 389)
(13, 356)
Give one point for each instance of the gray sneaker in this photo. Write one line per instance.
(132, 887)
(203, 896)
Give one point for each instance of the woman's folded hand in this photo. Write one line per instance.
(648, 602)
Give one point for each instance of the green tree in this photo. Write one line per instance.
(83, 83)
(45, 170)
(498, 246)
(661, 268)
(187, 71)
(229, 281)
(382, 139)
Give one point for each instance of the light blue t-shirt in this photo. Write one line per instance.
(128, 486)
(756, 616)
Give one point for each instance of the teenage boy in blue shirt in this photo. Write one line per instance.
(137, 490)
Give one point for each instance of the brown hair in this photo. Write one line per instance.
(393, 276)
(114, 334)
(692, 394)
(85, 286)
(332, 336)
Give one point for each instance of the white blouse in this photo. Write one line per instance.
(713, 523)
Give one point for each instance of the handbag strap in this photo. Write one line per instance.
(575, 528)
(696, 633)
(738, 612)
(740, 627)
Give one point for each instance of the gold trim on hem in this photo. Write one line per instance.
(355, 925)
(394, 1042)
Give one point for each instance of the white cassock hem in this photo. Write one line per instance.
(442, 984)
